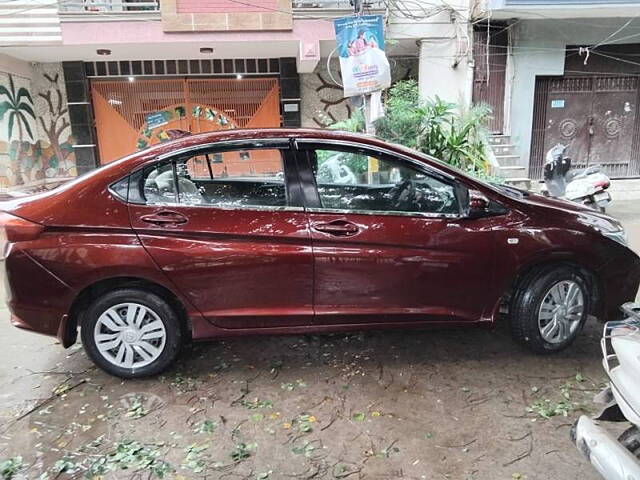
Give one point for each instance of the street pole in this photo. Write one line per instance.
(369, 127)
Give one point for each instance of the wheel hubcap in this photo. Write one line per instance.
(561, 311)
(130, 335)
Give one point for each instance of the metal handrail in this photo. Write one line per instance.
(334, 4)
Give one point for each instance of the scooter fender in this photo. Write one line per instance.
(586, 186)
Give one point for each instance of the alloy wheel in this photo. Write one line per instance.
(561, 311)
(130, 335)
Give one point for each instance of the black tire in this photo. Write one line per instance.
(166, 314)
(528, 298)
(630, 438)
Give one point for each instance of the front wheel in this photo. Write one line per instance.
(550, 308)
(131, 333)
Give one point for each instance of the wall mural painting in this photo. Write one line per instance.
(17, 107)
(58, 160)
(203, 119)
(35, 140)
(323, 102)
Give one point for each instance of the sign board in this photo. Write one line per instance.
(363, 63)
(156, 119)
(557, 103)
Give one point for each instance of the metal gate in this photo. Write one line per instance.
(594, 115)
(130, 116)
(490, 66)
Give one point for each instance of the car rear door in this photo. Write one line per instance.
(389, 242)
(226, 225)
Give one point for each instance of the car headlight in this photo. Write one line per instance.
(607, 226)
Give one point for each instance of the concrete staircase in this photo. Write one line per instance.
(507, 162)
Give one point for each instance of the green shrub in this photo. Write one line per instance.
(434, 127)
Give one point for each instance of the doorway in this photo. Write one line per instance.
(490, 50)
(596, 116)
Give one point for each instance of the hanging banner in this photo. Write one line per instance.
(363, 63)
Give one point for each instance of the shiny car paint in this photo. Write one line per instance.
(251, 270)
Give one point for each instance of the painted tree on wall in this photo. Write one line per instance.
(57, 118)
(18, 105)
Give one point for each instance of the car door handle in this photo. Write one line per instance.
(339, 228)
(165, 218)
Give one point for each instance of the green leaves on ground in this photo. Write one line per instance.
(256, 403)
(242, 451)
(10, 467)
(206, 426)
(137, 408)
(193, 460)
(547, 408)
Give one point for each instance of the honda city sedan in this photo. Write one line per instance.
(298, 231)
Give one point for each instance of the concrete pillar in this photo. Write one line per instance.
(445, 71)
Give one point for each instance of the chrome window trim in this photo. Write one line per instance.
(388, 213)
(258, 208)
(280, 143)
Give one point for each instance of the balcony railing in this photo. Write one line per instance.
(556, 3)
(70, 9)
(108, 6)
(498, 4)
(335, 4)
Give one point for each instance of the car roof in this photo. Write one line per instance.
(261, 133)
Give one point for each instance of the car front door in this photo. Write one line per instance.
(389, 241)
(226, 226)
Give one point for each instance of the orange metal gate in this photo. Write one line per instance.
(130, 116)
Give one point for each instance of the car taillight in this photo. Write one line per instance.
(15, 229)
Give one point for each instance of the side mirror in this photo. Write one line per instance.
(478, 205)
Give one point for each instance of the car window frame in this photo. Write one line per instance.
(293, 196)
(305, 147)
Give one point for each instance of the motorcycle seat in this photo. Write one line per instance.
(575, 174)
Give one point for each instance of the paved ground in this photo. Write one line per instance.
(447, 404)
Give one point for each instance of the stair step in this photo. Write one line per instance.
(508, 160)
(513, 171)
(506, 156)
(504, 149)
(500, 140)
(522, 182)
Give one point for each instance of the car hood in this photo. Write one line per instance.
(570, 214)
(556, 203)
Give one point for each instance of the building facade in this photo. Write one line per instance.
(92, 80)
(562, 72)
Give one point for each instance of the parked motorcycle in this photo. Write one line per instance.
(616, 458)
(586, 186)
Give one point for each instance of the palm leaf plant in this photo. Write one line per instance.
(17, 105)
(434, 127)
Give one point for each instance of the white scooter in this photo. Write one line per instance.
(586, 186)
(616, 458)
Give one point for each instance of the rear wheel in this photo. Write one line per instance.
(131, 333)
(550, 309)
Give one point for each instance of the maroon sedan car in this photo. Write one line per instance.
(299, 231)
